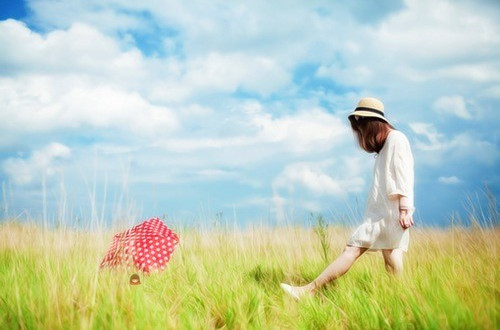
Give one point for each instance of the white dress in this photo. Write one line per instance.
(392, 175)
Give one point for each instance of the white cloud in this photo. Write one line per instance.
(312, 177)
(181, 103)
(79, 49)
(304, 185)
(308, 131)
(450, 180)
(463, 146)
(482, 72)
(453, 104)
(215, 174)
(305, 176)
(422, 43)
(356, 76)
(471, 148)
(220, 73)
(491, 92)
(279, 204)
(43, 104)
(253, 201)
(424, 35)
(74, 79)
(433, 137)
(43, 163)
(428, 32)
(85, 54)
(108, 16)
(227, 72)
(184, 145)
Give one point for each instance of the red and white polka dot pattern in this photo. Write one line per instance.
(147, 246)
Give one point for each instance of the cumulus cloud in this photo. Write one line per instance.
(450, 180)
(171, 89)
(305, 184)
(469, 147)
(221, 73)
(43, 104)
(308, 131)
(106, 15)
(421, 49)
(354, 76)
(313, 178)
(492, 92)
(78, 49)
(433, 139)
(227, 72)
(410, 39)
(437, 147)
(415, 32)
(453, 104)
(42, 163)
(74, 79)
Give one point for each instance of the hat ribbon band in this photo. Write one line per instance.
(370, 110)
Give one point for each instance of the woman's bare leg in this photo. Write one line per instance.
(336, 269)
(393, 261)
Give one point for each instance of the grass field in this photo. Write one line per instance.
(230, 279)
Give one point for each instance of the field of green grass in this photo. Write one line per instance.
(49, 279)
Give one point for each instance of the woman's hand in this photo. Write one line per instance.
(405, 218)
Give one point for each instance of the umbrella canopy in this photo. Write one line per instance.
(147, 247)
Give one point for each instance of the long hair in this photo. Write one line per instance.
(371, 132)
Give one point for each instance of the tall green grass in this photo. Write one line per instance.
(229, 278)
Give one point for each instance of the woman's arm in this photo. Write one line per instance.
(405, 212)
(401, 178)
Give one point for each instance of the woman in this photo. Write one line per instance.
(389, 212)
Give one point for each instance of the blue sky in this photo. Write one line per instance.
(237, 110)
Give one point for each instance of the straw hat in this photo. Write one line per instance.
(370, 107)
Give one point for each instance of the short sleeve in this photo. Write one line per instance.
(400, 176)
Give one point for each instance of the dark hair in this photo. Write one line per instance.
(371, 132)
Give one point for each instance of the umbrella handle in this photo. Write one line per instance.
(135, 279)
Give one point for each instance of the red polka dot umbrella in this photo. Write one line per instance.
(147, 246)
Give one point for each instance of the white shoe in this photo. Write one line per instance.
(289, 289)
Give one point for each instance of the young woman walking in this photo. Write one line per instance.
(389, 211)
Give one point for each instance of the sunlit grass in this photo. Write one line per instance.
(230, 278)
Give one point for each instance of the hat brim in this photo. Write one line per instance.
(362, 113)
